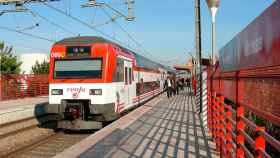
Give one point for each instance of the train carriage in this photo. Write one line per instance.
(93, 80)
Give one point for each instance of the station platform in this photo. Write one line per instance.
(14, 110)
(161, 128)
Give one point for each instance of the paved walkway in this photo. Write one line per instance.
(170, 129)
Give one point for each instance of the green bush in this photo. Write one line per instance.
(9, 63)
(40, 68)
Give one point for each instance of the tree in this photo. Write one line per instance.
(40, 68)
(9, 63)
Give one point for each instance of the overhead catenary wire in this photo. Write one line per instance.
(94, 16)
(16, 21)
(24, 46)
(99, 31)
(67, 13)
(68, 7)
(130, 36)
(52, 23)
(86, 24)
(26, 34)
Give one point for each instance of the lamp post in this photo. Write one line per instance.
(213, 7)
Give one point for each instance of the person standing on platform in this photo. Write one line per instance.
(188, 84)
(168, 86)
(173, 80)
(182, 83)
(177, 86)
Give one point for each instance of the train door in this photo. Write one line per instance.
(128, 82)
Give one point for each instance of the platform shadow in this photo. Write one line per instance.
(170, 129)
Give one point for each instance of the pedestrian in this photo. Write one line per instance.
(177, 87)
(188, 82)
(182, 84)
(174, 85)
(168, 87)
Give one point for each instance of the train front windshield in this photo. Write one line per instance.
(89, 68)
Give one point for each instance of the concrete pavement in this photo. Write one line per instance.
(161, 128)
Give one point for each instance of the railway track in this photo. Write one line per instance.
(49, 146)
(17, 134)
(35, 137)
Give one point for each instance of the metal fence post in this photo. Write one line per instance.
(228, 133)
(240, 127)
(259, 141)
(214, 118)
(209, 111)
(34, 87)
(221, 124)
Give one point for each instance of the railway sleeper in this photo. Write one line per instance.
(79, 124)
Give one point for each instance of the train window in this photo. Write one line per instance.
(126, 76)
(130, 76)
(145, 87)
(89, 68)
(119, 73)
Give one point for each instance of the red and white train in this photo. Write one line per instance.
(93, 80)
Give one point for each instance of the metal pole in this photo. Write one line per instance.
(198, 49)
(198, 31)
(213, 42)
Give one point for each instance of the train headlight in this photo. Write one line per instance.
(95, 92)
(57, 92)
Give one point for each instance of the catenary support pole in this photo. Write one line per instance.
(198, 50)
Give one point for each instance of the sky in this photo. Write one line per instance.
(164, 29)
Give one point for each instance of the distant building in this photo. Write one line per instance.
(183, 74)
(183, 70)
(29, 59)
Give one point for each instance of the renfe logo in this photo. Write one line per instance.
(76, 91)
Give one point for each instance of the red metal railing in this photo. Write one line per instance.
(20, 86)
(229, 127)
